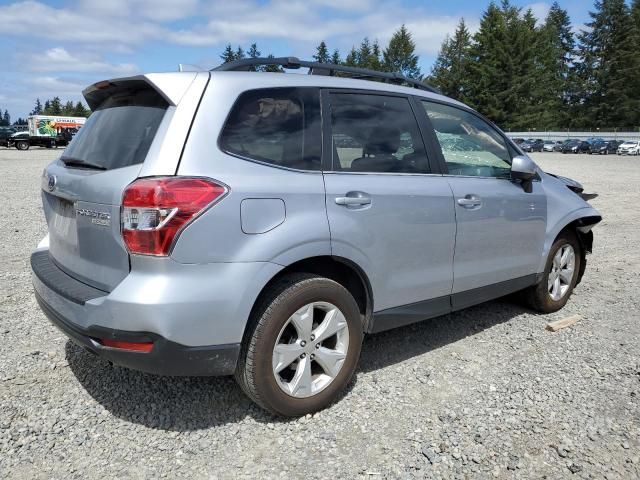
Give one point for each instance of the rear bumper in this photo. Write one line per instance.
(165, 358)
(195, 315)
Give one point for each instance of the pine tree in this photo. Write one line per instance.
(47, 107)
(55, 107)
(273, 68)
(37, 109)
(608, 66)
(228, 55)
(68, 108)
(555, 84)
(400, 56)
(352, 58)
(450, 71)
(239, 55)
(80, 111)
(322, 53)
(254, 53)
(6, 119)
(375, 62)
(335, 57)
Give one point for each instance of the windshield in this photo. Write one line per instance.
(120, 131)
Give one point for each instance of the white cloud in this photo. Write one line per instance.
(37, 20)
(58, 59)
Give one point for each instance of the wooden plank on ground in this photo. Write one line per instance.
(563, 323)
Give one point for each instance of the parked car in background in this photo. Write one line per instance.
(5, 134)
(604, 148)
(532, 145)
(550, 145)
(592, 140)
(629, 148)
(575, 146)
(24, 140)
(517, 140)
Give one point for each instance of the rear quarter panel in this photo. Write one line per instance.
(217, 235)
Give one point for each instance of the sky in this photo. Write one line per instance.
(58, 47)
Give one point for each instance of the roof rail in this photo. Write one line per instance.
(330, 69)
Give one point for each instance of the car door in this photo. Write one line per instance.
(500, 227)
(388, 212)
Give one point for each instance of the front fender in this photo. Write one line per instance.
(554, 230)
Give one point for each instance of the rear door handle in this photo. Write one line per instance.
(354, 199)
(469, 201)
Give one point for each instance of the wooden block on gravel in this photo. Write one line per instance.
(563, 323)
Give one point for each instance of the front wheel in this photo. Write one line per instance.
(302, 347)
(22, 145)
(560, 275)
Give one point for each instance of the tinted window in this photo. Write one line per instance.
(470, 146)
(375, 133)
(277, 126)
(120, 130)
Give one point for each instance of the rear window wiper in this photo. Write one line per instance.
(76, 162)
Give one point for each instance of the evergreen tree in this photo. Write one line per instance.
(555, 83)
(450, 71)
(55, 107)
(6, 119)
(228, 55)
(80, 111)
(68, 108)
(239, 55)
(400, 56)
(47, 107)
(273, 68)
(322, 53)
(254, 53)
(37, 109)
(609, 66)
(335, 57)
(20, 121)
(352, 58)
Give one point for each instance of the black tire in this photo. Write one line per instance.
(254, 372)
(22, 145)
(538, 297)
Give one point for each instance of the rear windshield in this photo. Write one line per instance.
(120, 130)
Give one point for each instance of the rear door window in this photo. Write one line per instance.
(376, 134)
(278, 126)
(121, 128)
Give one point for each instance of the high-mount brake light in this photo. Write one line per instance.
(155, 210)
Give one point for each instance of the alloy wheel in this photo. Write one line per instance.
(311, 349)
(561, 273)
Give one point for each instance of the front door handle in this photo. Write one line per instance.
(354, 199)
(470, 201)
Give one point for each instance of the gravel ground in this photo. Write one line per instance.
(486, 392)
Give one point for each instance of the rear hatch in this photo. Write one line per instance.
(82, 191)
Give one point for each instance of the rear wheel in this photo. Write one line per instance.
(303, 346)
(560, 275)
(22, 145)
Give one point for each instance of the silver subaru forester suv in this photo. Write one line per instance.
(258, 224)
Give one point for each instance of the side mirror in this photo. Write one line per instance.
(523, 169)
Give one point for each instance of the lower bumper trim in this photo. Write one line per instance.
(166, 357)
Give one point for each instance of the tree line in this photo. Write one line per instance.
(520, 71)
(523, 73)
(55, 106)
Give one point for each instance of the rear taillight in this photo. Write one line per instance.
(145, 347)
(155, 210)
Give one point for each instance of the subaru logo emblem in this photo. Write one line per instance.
(51, 184)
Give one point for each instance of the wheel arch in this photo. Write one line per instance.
(582, 227)
(342, 270)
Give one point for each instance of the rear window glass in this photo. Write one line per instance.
(278, 126)
(120, 130)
